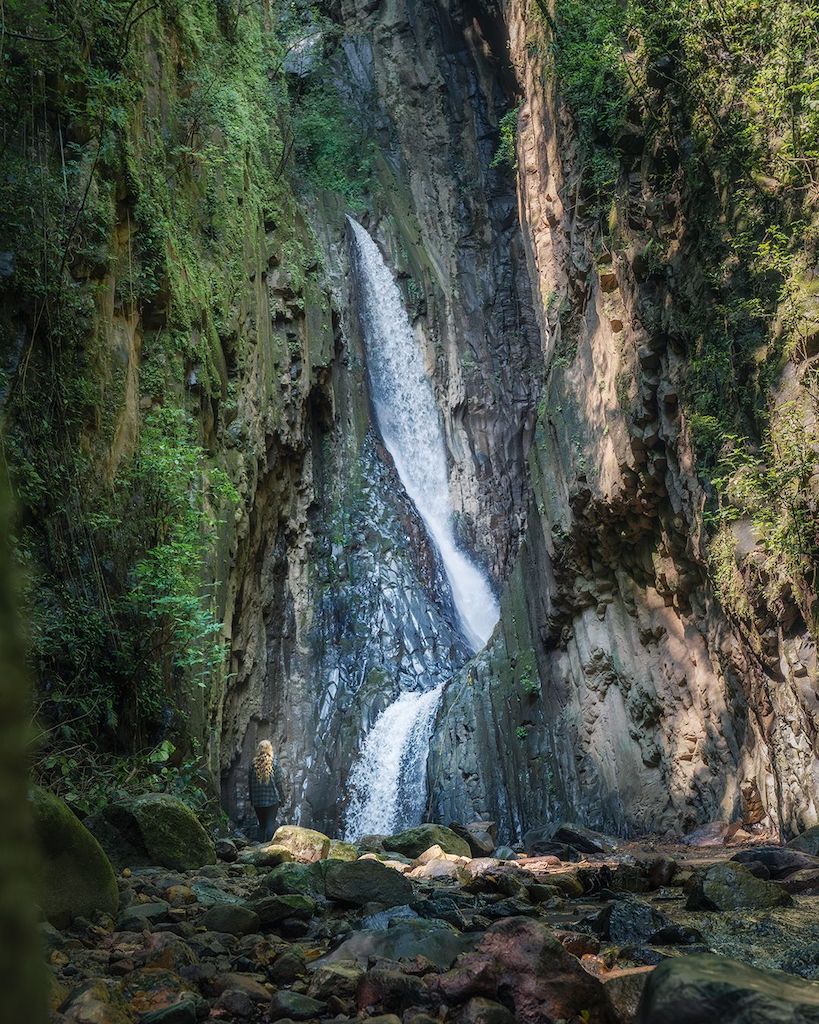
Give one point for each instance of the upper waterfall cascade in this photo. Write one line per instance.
(410, 425)
(388, 781)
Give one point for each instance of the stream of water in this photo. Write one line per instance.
(388, 782)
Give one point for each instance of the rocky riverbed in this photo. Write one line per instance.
(427, 926)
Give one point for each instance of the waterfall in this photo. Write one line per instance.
(388, 782)
(408, 419)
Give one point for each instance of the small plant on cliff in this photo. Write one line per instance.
(506, 153)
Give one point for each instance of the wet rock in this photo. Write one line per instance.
(413, 841)
(76, 878)
(482, 1011)
(231, 918)
(305, 844)
(779, 860)
(295, 1006)
(226, 850)
(731, 886)
(154, 829)
(807, 841)
(362, 881)
(622, 990)
(390, 989)
(523, 960)
(404, 940)
(693, 989)
(307, 879)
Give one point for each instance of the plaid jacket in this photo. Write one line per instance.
(265, 794)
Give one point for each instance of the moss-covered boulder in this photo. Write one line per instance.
(364, 881)
(414, 841)
(305, 844)
(154, 829)
(340, 850)
(77, 878)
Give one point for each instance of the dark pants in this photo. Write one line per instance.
(267, 821)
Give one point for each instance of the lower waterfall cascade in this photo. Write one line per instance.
(388, 781)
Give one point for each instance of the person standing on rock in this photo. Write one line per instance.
(264, 783)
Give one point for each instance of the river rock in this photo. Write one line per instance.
(139, 916)
(97, 1001)
(521, 958)
(335, 979)
(404, 940)
(482, 1011)
(266, 855)
(306, 844)
(154, 829)
(342, 851)
(807, 841)
(272, 909)
(77, 879)
(731, 886)
(622, 990)
(626, 921)
(366, 881)
(699, 988)
(307, 879)
(413, 841)
(779, 860)
(231, 918)
(226, 850)
(538, 842)
(295, 1006)
(388, 988)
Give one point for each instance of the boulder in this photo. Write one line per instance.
(520, 959)
(698, 988)
(226, 850)
(266, 855)
(623, 990)
(272, 909)
(390, 989)
(231, 918)
(627, 921)
(413, 841)
(440, 867)
(403, 940)
(366, 881)
(98, 1000)
(807, 841)
(779, 860)
(154, 829)
(731, 886)
(305, 844)
(585, 840)
(306, 879)
(342, 851)
(538, 842)
(478, 838)
(141, 916)
(77, 879)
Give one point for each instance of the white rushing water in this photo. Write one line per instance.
(408, 419)
(388, 781)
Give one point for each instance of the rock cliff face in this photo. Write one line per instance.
(617, 691)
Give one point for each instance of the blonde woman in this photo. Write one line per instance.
(264, 783)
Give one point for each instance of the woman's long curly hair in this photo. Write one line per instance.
(263, 761)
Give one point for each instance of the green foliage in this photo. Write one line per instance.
(506, 153)
(522, 733)
(330, 146)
